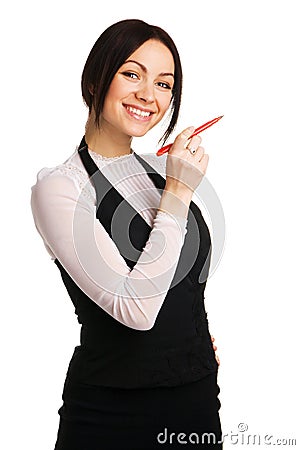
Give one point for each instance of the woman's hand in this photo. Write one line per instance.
(186, 162)
(215, 348)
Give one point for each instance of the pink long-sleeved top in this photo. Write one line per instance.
(63, 204)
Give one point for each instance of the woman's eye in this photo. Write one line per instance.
(164, 85)
(130, 75)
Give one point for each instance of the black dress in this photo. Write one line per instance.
(132, 389)
(103, 418)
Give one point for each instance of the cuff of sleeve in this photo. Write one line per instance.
(179, 220)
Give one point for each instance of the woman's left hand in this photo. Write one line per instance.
(215, 349)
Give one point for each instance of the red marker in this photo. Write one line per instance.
(198, 130)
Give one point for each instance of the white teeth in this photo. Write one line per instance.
(138, 112)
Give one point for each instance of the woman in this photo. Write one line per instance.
(145, 373)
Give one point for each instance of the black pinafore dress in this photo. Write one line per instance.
(131, 389)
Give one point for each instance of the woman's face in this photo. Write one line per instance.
(140, 92)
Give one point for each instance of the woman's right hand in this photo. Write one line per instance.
(184, 170)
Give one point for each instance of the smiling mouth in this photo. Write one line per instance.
(138, 113)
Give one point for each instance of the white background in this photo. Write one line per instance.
(240, 59)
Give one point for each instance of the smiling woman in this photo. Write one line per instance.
(124, 49)
(137, 99)
(132, 247)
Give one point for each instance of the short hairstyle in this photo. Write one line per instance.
(109, 53)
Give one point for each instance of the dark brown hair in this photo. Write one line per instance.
(109, 53)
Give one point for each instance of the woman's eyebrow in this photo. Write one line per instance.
(144, 68)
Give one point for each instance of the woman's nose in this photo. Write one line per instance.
(145, 92)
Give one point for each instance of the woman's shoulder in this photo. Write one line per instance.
(69, 176)
(71, 168)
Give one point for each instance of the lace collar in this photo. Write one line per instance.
(98, 157)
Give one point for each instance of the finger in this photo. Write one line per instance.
(194, 143)
(212, 338)
(182, 138)
(203, 163)
(218, 360)
(200, 152)
(185, 134)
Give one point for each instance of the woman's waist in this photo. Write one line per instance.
(142, 360)
(143, 343)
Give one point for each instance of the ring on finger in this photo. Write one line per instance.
(192, 150)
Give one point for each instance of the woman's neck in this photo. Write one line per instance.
(106, 141)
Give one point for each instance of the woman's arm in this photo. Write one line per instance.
(66, 221)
